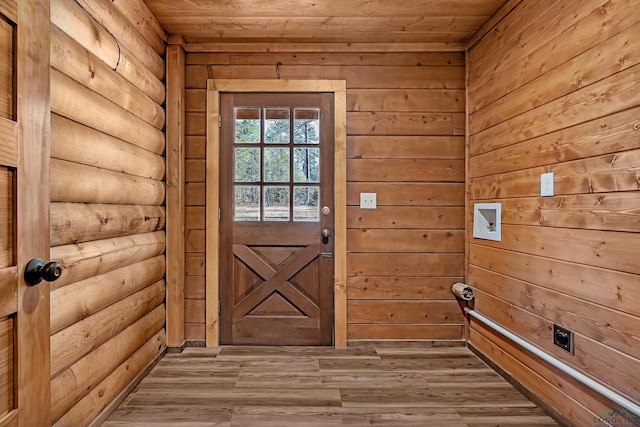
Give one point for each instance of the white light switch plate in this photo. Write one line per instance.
(546, 184)
(368, 200)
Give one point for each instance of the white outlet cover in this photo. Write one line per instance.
(368, 200)
(546, 184)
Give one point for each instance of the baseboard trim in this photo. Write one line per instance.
(542, 404)
(111, 407)
(177, 349)
(406, 343)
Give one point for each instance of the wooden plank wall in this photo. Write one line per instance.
(555, 89)
(107, 194)
(405, 124)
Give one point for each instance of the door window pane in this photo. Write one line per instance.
(247, 203)
(247, 164)
(276, 203)
(285, 153)
(306, 126)
(247, 125)
(306, 164)
(276, 164)
(276, 125)
(306, 204)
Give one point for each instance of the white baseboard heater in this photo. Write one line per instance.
(577, 375)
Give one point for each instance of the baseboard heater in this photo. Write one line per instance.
(578, 376)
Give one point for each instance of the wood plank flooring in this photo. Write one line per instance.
(319, 386)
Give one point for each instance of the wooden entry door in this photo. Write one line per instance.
(24, 211)
(276, 219)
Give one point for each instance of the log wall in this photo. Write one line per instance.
(405, 125)
(555, 89)
(107, 195)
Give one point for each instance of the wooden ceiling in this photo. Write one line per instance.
(324, 21)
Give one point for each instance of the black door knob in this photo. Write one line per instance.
(37, 270)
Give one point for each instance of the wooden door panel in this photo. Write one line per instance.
(276, 305)
(275, 255)
(6, 69)
(245, 280)
(277, 274)
(275, 278)
(8, 291)
(306, 280)
(6, 365)
(251, 331)
(6, 217)
(276, 234)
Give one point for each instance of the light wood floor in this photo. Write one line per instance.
(311, 386)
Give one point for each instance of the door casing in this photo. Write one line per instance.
(25, 141)
(214, 88)
(256, 255)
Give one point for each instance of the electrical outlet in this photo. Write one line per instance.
(368, 200)
(546, 184)
(563, 338)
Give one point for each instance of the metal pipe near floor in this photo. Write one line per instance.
(578, 376)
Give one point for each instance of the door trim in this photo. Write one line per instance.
(33, 108)
(212, 230)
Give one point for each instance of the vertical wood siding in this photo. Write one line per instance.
(107, 195)
(557, 91)
(405, 125)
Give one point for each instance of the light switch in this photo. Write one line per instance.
(368, 200)
(546, 184)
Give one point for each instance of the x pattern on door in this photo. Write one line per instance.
(277, 279)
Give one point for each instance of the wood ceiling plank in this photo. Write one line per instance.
(324, 58)
(370, 78)
(178, 24)
(224, 46)
(322, 36)
(162, 8)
